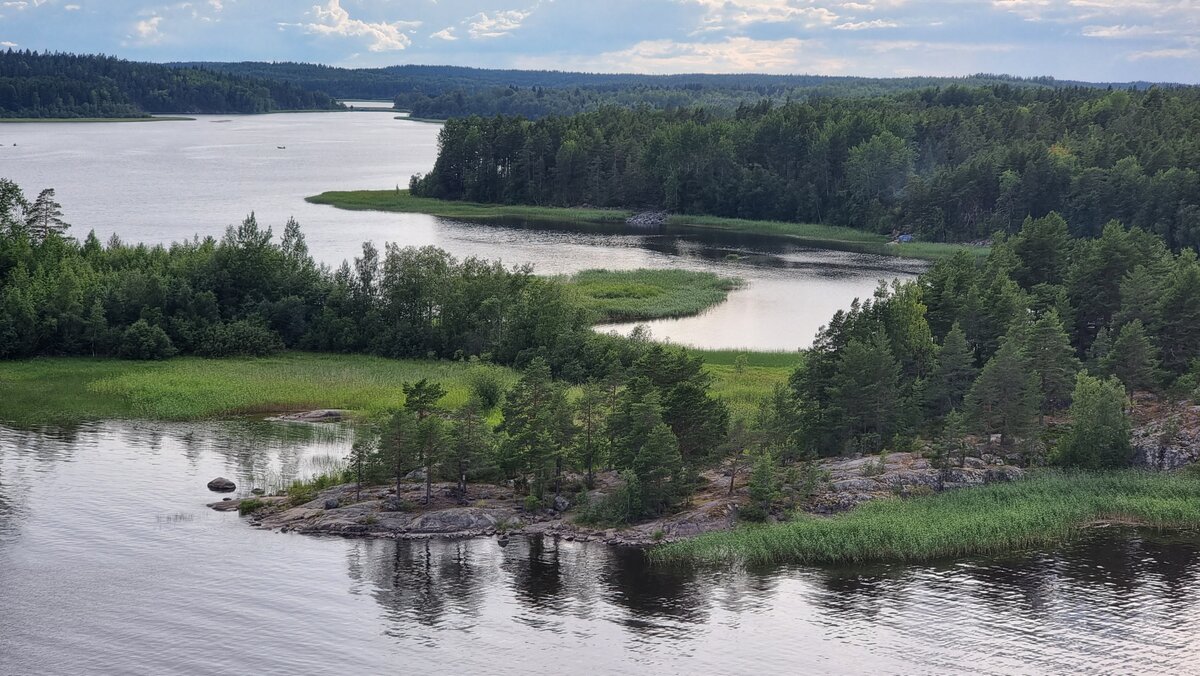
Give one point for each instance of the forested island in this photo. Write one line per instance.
(950, 164)
(44, 85)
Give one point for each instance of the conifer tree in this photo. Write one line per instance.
(1048, 350)
(953, 373)
(866, 390)
(1004, 398)
(1133, 359)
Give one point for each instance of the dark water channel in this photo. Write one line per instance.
(111, 564)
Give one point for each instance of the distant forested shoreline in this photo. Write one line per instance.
(72, 86)
(444, 92)
(949, 164)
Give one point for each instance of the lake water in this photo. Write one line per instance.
(159, 182)
(110, 564)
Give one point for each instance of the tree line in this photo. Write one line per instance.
(57, 85)
(949, 164)
(444, 92)
(1049, 326)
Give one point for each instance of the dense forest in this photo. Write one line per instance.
(948, 164)
(1050, 328)
(46, 85)
(443, 92)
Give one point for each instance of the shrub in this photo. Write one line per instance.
(248, 506)
(487, 384)
(245, 337)
(146, 341)
(620, 507)
(532, 503)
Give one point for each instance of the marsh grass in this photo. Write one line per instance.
(1043, 510)
(811, 234)
(66, 390)
(744, 379)
(404, 202)
(637, 295)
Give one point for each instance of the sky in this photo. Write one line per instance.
(1095, 40)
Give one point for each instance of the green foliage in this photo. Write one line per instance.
(143, 340)
(953, 373)
(59, 85)
(1132, 358)
(636, 295)
(487, 384)
(250, 505)
(1004, 399)
(763, 487)
(1043, 510)
(866, 392)
(1047, 349)
(1100, 431)
(988, 157)
(65, 390)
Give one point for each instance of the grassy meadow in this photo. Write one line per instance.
(1045, 509)
(637, 295)
(65, 390)
(811, 234)
(744, 379)
(402, 202)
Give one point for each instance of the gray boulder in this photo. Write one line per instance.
(221, 485)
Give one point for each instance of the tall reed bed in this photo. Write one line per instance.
(636, 295)
(1042, 510)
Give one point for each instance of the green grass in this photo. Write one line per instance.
(67, 390)
(89, 120)
(743, 379)
(1046, 509)
(806, 233)
(403, 202)
(637, 295)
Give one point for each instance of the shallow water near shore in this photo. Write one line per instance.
(161, 183)
(111, 564)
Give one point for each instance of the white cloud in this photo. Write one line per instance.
(147, 31)
(1120, 31)
(445, 34)
(732, 55)
(723, 14)
(332, 19)
(1167, 53)
(484, 25)
(8, 45)
(866, 25)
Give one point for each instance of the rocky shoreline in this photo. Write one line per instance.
(497, 511)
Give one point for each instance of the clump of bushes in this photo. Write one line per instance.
(250, 506)
(145, 341)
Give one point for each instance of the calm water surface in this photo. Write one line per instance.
(160, 182)
(110, 564)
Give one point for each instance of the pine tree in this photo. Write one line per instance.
(866, 390)
(533, 426)
(1048, 351)
(1100, 432)
(591, 413)
(471, 442)
(659, 469)
(763, 487)
(1133, 359)
(953, 373)
(44, 216)
(1179, 312)
(421, 398)
(1004, 398)
(400, 445)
